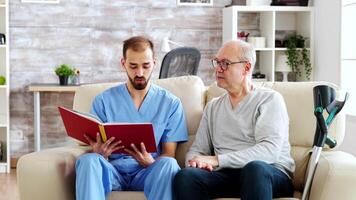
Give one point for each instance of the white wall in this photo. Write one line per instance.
(349, 142)
(327, 40)
(327, 56)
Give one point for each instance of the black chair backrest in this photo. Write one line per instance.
(180, 62)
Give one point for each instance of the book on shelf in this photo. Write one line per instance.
(79, 123)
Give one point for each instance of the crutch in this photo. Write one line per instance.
(324, 98)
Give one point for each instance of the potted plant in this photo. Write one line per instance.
(297, 58)
(64, 72)
(2, 80)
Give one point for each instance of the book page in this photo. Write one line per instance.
(125, 123)
(86, 115)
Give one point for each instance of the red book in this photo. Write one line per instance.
(77, 124)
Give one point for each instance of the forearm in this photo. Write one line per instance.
(266, 152)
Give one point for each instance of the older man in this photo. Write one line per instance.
(241, 147)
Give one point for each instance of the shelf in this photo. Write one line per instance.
(4, 89)
(273, 23)
(264, 49)
(259, 80)
(54, 87)
(285, 49)
(272, 8)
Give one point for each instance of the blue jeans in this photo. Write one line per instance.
(256, 181)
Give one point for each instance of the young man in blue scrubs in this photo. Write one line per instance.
(100, 172)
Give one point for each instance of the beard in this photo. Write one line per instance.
(139, 83)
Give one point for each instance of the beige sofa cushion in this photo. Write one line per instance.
(300, 105)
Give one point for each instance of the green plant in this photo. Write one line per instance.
(2, 80)
(296, 57)
(64, 70)
(306, 62)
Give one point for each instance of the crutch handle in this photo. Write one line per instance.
(331, 142)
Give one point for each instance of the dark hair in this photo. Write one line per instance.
(137, 43)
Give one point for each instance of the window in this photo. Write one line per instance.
(348, 53)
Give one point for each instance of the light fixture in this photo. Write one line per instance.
(282, 66)
(165, 47)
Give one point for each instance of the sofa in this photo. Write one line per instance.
(50, 174)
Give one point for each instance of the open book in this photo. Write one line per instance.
(78, 123)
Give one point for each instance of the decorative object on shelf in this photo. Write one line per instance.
(243, 36)
(289, 2)
(257, 42)
(306, 62)
(2, 80)
(282, 66)
(278, 43)
(238, 2)
(39, 1)
(75, 77)
(194, 2)
(258, 75)
(251, 2)
(2, 38)
(297, 58)
(64, 72)
(303, 2)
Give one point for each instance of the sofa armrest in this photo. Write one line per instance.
(335, 177)
(48, 174)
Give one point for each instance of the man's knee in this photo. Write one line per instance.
(88, 159)
(256, 169)
(186, 175)
(167, 162)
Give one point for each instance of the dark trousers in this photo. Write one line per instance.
(256, 181)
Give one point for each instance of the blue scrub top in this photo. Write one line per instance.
(160, 107)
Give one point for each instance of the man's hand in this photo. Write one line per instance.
(105, 149)
(143, 157)
(204, 162)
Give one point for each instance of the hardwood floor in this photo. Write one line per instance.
(8, 186)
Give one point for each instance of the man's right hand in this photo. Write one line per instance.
(201, 165)
(105, 149)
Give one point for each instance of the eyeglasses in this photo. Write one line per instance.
(224, 64)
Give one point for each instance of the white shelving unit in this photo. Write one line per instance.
(4, 89)
(269, 22)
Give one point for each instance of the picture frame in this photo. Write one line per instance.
(195, 2)
(41, 1)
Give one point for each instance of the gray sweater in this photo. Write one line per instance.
(256, 129)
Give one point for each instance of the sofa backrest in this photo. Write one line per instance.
(300, 105)
(190, 90)
(194, 96)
